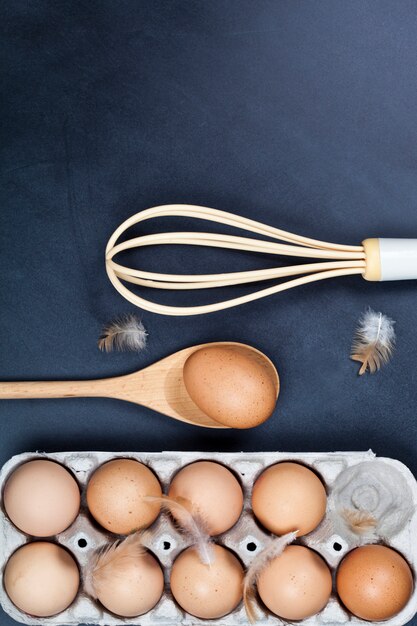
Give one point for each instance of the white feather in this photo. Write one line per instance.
(374, 341)
(124, 334)
(377, 327)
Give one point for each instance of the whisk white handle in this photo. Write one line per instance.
(390, 259)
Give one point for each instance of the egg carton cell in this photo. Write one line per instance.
(246, 539)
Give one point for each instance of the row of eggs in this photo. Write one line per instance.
(42, 499)
(42, 579)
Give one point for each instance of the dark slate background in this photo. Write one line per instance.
(299, 114)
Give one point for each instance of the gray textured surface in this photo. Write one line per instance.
(299, 114)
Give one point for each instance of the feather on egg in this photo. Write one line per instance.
(258, 565)
(110, 561)
(192, 525)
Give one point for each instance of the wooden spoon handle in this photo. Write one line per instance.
(52, 389)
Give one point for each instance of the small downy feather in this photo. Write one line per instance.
(110, 561)
(374, 341)
(192, 525)
(359, 522)
(259, 563)
(124, 334)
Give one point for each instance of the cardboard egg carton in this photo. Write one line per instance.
(245, 539)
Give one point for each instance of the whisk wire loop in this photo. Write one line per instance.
(339, 260)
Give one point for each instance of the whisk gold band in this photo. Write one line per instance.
(373, 260)
(334, 259)
(390, 259)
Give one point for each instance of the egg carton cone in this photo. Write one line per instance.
(246, 539)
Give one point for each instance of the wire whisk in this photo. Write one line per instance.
(334, 260)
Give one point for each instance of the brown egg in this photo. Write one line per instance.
(41, 579)
(136, 588)
(288, 497)
(115, 496)
(207, 591)
(41, 498)
(232, 385)
(211, 491)
(374, 582)
(296, 585)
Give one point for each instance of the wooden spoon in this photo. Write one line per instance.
(159, 386)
